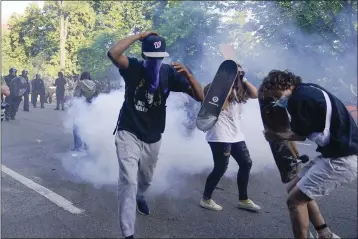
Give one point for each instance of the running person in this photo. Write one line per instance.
(141, 121)
(318, 115)
(225, 139)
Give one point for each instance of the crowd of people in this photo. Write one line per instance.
(315, 114)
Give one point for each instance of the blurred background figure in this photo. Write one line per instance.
(60, 91)
(7, 79)
(26, 95)
(18, 87)
(86, 88)
(38, 89)
(6, 92)
(50, 89)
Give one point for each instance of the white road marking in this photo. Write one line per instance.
(47, 193)
(302, 143)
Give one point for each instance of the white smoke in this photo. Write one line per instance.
(179, 155)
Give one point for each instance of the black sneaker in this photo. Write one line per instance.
(142, 207)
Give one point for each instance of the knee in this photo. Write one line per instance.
(127, 180)
(221, 168)
(246, 164)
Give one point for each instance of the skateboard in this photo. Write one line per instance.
(217, 94)
(284, 152)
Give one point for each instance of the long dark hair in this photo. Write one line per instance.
(239, 92)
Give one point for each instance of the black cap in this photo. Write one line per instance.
(154, 46)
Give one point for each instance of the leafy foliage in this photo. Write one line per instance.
(192, 29)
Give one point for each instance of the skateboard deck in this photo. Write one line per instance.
(284, 152)
(217, 95)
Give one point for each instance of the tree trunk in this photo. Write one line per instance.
(62, 37)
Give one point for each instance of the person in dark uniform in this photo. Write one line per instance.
(27, 92)
(38, 88)
(18, 87)
(60, 91)
(8, 78)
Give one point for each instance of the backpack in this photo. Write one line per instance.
(88, 88)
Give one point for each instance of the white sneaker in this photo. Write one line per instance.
(210, 204)
(333, 236)
(248, 205)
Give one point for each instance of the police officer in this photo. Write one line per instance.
(27, 92)
(18, 86)
(10, 76)
(60, 91)
(38, 88)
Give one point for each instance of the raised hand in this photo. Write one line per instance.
(181, 68)
(143, 35)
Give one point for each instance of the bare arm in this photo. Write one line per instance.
(288, 135)
(291, 136)
(195, 90)
(252, 90)
(115, 53)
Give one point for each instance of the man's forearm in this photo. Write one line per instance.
(291, 136)
(198, 92)
(120, 47)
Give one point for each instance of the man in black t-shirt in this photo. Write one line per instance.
(60, 83)
(318, 115)
(141, 120)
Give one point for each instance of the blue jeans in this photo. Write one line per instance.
(77, 139)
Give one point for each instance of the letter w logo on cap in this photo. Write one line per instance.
(157, 44)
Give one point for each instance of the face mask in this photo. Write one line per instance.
(282, 102)
(152, 68)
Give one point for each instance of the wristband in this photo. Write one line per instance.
(244, 80)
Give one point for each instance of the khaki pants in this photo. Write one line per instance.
(322, 175)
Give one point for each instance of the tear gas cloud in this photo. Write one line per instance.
(181, 155)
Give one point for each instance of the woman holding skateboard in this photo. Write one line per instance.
(226, 138)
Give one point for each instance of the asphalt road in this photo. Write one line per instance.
(29, 146)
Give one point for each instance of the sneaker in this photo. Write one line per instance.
(332, 235)
(210, 204)
(248, 205)
(142, 207)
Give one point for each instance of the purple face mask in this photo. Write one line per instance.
(152, 68)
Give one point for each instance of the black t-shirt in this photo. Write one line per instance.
(38, 86)
(60, 84)
(143, 113)
(307, 107)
